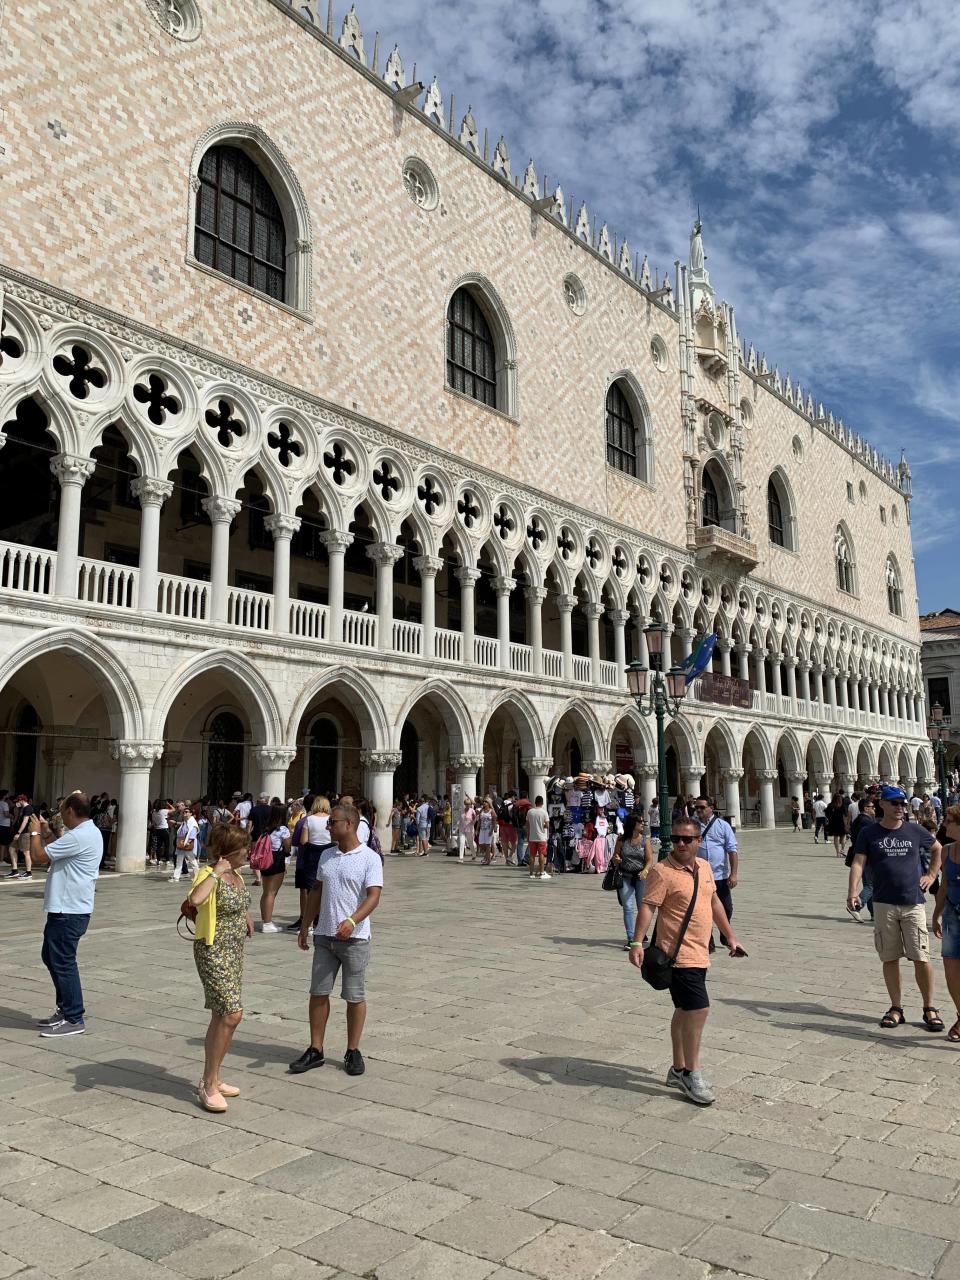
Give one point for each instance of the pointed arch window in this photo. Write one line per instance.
(894, 588)
(711, 502)
(843, 559)
(775, 523)
(471, 350)
(622, 451)
(239, 227)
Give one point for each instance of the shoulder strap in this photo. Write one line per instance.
(703, 833)
(689, 912)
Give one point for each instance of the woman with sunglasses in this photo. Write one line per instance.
(946, 914)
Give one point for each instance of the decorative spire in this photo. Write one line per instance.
(645, 280)
(560, 205)
(603, 244)
(626, 263)
(582, 226)
(501, 159)
(393, 71)
(433, 104)
(351, 36)
(469, 137)
(530, 186)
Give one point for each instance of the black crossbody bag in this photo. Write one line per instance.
(656, 966)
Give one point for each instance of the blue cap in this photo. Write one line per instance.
(892, 793)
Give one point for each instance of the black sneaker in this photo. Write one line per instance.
(309, 1059)
(353, 1063)
(295, 926)
(52, 1020)
(25, 875)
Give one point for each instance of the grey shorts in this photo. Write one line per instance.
(330, 955)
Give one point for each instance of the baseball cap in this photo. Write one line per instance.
(892, 793)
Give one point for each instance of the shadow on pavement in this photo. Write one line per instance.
(590, 942)
(865, 1025)
(16, 1018)
(132, 1075)
(259, 1055)
(608, 1075)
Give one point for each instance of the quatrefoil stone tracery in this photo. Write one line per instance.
(504, 522)
(430, 495)
(286, 445)
(340, 465)
(468, 509)
(153, 394)
(593, 553)
(224, 423)
(565, 544)
(619, 562)
(536, 533)
(81, 371)
(386, 480)
(10, 346)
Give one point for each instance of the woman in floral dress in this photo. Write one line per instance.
(223, 925)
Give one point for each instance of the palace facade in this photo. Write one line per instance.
(338, 454)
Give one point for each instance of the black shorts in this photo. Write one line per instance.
(308, 859)
(6, 835)
(688, 989)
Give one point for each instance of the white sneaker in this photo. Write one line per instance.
(697, 1089)
(270, 928)
(174, 880)
(545, 876)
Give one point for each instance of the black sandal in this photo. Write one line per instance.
(893, 1017)
(953, 1035)
(931, 1018)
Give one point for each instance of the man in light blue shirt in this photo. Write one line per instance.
(718, 846)
(68, 901)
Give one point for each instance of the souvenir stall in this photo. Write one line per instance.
(586, 816)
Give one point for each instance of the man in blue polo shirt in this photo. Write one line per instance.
(718, 846)
(68, 901)
(895, 851)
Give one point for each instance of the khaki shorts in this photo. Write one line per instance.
(900, 931)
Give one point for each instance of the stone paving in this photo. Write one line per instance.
(512, 1122)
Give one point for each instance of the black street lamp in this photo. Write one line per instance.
(939, 752)
(660, 697)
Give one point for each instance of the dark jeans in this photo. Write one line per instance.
(725, 898)
(59, 953)
(820, 827)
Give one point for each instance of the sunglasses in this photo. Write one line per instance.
(685, 839)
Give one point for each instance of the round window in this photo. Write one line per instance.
(715, 431)
(179, 18)
(746, 413)
(863, 490)
(895, 514)
(658, 352)
(574, 294)
(798, 448)
(420, 184)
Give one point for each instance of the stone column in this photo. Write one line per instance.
(274, 763)
(385, 555)
(643, 654)
(842, 691)
(768, 813)
(468, 581)
(538, 771)
(818, 673)
(503, 586)
(336, 544)
(693, 777)
(428, 567)
(647, 782)
(136, 760)
(57, 759)
(467, 767)
(743, 653)
(731, 792)
(761, 665)
(620, 618)
(776, 664)
(792, 680)
(379, 768)
(873, 695)
(566, 604)
(884, 701)
(170, 761)
(901, 707)
(73, 473)
(221, 512)
(152, 493)
(535, 597)
(830, 684)
(724, 647)
(283, 528)
(594, 612)
(796, 781)
(688, 635)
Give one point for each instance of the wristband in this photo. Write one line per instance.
(350, 920)
(636, 944)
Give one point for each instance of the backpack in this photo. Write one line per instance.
(374, 842)
(261, 855)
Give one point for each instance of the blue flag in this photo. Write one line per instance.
(699, 660)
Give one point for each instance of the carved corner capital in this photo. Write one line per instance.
(767, 775)
(731, 775)
(427, 566)
(275, 757)
(151, 490)
(503, 585)
(646, 770)
(598, 766)
(384, 553)
(135, 755)
(221, 510)
(535, 595)
(335, 541)
(282, 526)
(381, 761)
(69, 469)
(467, 576)
(467, 763)
(537, 764)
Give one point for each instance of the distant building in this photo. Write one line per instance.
(338, 454)
(940, 651)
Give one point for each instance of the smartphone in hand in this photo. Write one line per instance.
(737, 952)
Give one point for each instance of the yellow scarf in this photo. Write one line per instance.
(206, 923)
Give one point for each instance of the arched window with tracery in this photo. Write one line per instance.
(711, 502)
(843, 559)
(225, 753)
(471, 350)
(894, 588)
(775, 523)
(239, 224)
(622, 450)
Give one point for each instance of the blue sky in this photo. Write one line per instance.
(822, 142)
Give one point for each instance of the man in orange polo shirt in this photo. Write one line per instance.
(669, 889)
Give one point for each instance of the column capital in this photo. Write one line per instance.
(567, 603)
(466, 763)
(69, 469)
(221, 510)
(427, 566)
(767, 775)
(776, 659)
(503, 584)
(336, 541)
(744, 648)
(281, 526)
(275, 757)
(619, 617)
(693, 772)
(790, 661)
(136, 755)
(466, 575)
(536, 595)
(796, 776)
(537, 764)
(593, 609)
(381, 761)
(805, 664)
(731, 775)
(725, 645)
(646, 770)
(384, 553)
(598, 766)
(151, 490)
